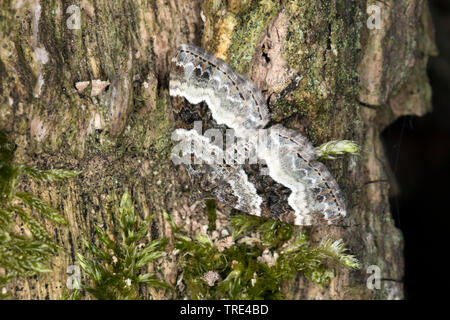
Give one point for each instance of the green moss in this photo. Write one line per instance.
(116, 269)
(211, 212)
(253, 20)
(162, 125)
(250, 269)
(100, 141)
(273, 233)
(25, 71)
(22, 255)
(154, 135)
(319, 37)
(6, 17)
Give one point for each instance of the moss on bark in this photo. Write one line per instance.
(306, 56)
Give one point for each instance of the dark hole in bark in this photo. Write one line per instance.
(264, 54)
(418, 149)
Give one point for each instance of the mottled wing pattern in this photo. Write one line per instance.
(294, 165)
(288, 157)
(228, 183)
(233, 100)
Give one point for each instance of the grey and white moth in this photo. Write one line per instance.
(287, 182)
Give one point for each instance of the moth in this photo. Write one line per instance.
(286, 182)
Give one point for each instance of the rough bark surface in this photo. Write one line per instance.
(321, 69)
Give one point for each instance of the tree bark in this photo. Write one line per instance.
(321, 69)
